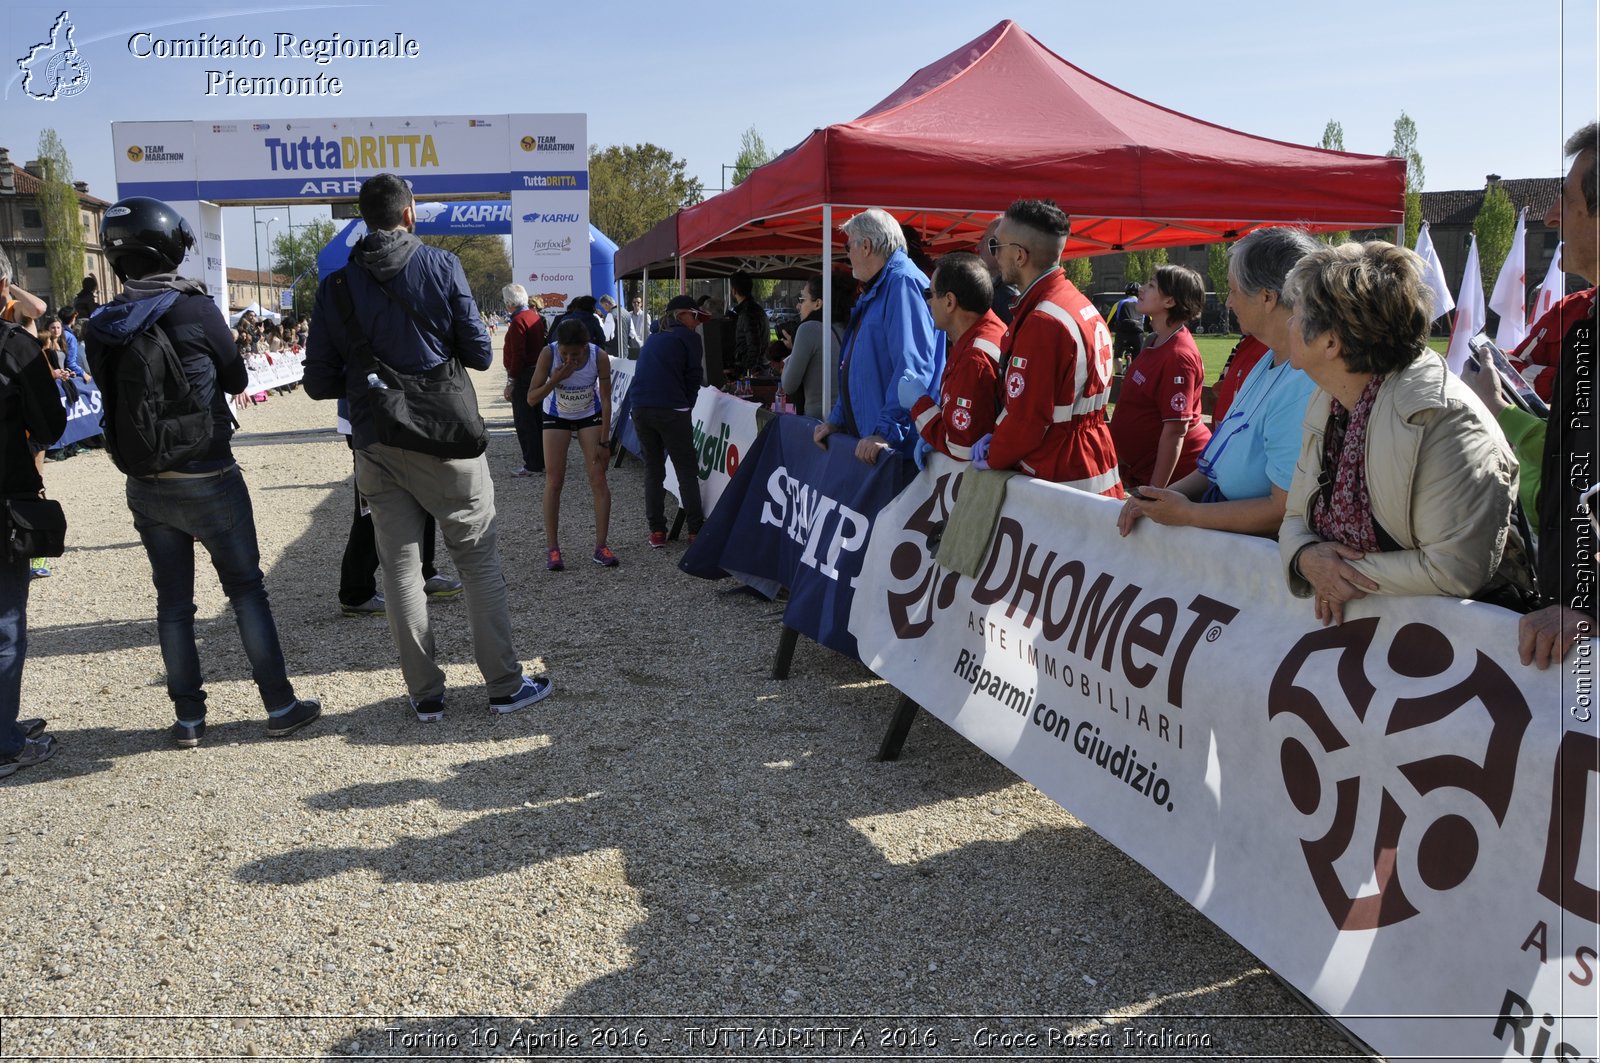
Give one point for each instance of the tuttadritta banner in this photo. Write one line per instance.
(1394, 814)
(797, 516)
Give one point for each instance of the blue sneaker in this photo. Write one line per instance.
(186, 734)
(429, 710)
(302, 712)
(533, 689)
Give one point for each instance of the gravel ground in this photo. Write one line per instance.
(673, 833)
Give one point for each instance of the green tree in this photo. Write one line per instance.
(1405, 147)
(1080, 271)
(752, 153)
(63, 224)
(294, 254)
(485, 261)
(1142, 264)
(631, 189)
(1217, 270)
(1494, 226)
(1333, 140)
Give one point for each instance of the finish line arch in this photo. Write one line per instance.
(539, 161)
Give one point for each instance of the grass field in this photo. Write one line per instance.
(1214, 351)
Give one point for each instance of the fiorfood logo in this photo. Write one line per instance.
(1343, 699)
(54, 69)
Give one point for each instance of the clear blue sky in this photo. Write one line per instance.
(1492, 86)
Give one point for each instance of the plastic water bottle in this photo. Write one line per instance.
(375, 384)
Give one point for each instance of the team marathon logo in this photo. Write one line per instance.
(54, 69)
(1348, 696)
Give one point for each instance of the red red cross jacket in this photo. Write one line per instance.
(968, 394)
(1055, 378)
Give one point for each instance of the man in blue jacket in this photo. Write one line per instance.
(662, 396)
(417, 311)
(891, 338)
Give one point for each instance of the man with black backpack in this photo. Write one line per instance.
(30, 409)
(394, 332)
(165, 361)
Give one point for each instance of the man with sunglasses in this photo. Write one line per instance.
(1055, 365)
(959, 297)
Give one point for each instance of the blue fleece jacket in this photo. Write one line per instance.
(669, 372)
(891, 337)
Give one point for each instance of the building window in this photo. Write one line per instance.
(36, 260)
(31, 219)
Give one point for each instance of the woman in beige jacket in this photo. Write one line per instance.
(1404, 485)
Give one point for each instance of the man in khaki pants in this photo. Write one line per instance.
(414, 303)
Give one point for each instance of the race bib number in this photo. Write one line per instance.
(572, 403)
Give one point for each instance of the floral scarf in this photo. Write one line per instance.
(1342, 509)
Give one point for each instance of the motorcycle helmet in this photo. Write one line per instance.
(143, 236)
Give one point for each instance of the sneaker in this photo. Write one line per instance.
(31, 728)
(525, 471)
(33, 751)
(658, 540)
(374, 606)
(304, 711)
(605, 558)
(553, 562)
(533, 689)
(691, 538)
(39, 569)
(187, 735)
(442, 586)
(429, 710)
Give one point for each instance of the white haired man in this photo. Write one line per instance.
(891, 338)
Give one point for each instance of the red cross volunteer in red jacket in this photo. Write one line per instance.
(1055, 370)
(959, 295)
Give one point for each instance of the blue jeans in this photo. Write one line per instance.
(15, 577)
(170, 514)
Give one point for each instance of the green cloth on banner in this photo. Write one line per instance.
(965, 542)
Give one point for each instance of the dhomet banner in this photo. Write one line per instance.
(1394, 814)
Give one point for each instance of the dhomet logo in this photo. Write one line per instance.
(1327, 730)
(54, 69)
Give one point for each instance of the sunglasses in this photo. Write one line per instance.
(995, 245)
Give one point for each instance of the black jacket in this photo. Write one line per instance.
(751, 334)
(30, 407)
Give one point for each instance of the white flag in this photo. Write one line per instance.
(1510, 298)
(1470, 314)
(1551, 290)
(1433, 274)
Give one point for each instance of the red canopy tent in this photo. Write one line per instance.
(1002, 118)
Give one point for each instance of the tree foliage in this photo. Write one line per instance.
(485, 261)
(631, 189)
(1333, 136)
(63, 227)
(1495, 227)
(1405, 147)
(1217, 269)
(1080, 271)
(752, 153)
(294, 254)
(1142, 264)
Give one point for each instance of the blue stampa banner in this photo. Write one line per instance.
(799, 517)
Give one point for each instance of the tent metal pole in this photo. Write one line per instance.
(828, 353)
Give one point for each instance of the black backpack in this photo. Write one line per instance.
(153, 420)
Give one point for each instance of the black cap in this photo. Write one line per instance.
(684, 302)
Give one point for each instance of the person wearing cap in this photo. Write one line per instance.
(607, 309)
(665, 385)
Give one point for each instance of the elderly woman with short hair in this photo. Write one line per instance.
(1241, 481)
(1404, 484)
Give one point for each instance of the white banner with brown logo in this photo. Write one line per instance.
(1394, 814)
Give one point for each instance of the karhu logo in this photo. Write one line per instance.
(54, 69)
(1411, 827)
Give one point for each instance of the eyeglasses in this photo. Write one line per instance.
(928, 293)
(994, 245)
